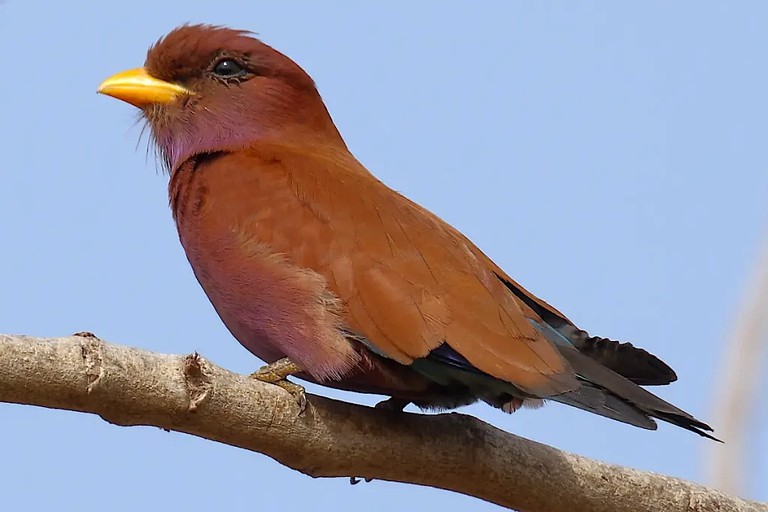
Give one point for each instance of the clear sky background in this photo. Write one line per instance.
(611, 157)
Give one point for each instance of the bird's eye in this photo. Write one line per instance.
(228, 68)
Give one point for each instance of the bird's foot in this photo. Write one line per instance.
(276, 373)
(353, 480)
(392, 404)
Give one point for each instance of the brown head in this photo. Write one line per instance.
(205, 88)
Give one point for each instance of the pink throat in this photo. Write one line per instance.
(205, 131)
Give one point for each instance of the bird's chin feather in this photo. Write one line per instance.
(162, 158)
(157, 121)
(153, 149)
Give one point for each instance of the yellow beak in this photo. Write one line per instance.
(140, 89)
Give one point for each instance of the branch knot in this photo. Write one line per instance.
(199, 385)
(92, 350)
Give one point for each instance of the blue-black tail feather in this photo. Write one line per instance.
(609, 394)
(602, 390)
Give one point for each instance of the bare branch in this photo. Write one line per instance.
(127, 386)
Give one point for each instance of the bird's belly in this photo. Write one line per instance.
(248, 316)
(273, 307)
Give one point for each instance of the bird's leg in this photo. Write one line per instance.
(393, 404)
(276, 373)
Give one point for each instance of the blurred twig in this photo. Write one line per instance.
(735, 402)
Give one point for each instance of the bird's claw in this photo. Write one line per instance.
(276, 373)
(353, 480)
(392, 404)
(296, 391)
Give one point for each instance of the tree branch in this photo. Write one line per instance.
(126, 386)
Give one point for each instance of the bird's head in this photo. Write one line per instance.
(205, 89)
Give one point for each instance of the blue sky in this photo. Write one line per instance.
(611, 157)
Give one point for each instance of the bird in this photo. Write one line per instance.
(325, 273)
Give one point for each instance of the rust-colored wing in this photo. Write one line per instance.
(408, 280)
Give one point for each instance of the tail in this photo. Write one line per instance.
(610, 394)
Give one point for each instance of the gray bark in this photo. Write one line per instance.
(126, 386)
